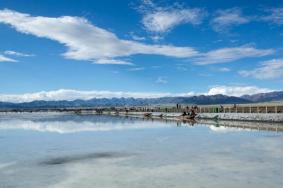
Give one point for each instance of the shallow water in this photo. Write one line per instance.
(53, 150)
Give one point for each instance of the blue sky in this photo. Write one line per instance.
(58, 48)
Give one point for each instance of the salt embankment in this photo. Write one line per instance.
(261, 117)
(265, 117)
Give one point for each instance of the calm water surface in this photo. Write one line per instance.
(85, 151)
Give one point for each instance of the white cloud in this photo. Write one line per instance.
(156, 38)
(161, 80)
(268, 70)
(136, 37)
(224, 69)
(237, 90)
(136, 69)
(6, 59)
(161, 21)
(14, 53)
(112, 61)
(181, 67)
(276, 16)
(224, 55)
(85, 41)
(69, 94)
(225, 19)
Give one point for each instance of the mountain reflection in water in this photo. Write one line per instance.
(53, 150)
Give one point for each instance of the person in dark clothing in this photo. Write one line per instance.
(221, 108)
(192, 112)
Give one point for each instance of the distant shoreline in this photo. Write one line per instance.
(245, 117)
(259, 112)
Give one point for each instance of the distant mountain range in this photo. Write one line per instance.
(113, 102)
(265, 97)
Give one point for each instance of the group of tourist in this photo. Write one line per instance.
(190, 111)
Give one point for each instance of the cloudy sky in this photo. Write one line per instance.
(82, 49)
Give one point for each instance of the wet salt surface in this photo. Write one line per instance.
(66, 151)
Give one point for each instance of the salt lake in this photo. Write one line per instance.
(60, 150)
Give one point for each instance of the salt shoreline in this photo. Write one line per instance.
(254, 117)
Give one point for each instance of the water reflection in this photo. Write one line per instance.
(114, 151)
(75, 123)
(70, 123)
